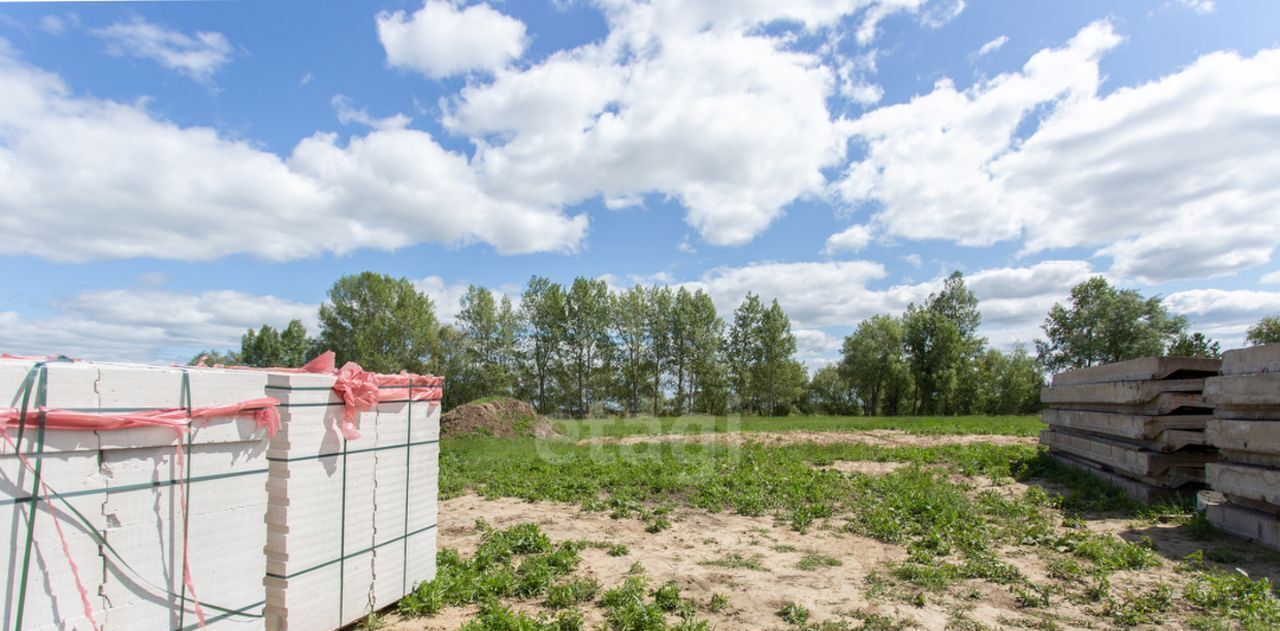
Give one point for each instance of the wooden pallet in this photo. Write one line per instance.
(1144, 369)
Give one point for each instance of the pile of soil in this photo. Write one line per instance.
(506, 418)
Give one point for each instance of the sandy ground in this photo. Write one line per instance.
(682, 553)
(876, 437)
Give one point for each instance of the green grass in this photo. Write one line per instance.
(812, 561)
(618, 427)
(951, 532)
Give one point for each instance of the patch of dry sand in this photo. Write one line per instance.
(875, 437)
(681, 553)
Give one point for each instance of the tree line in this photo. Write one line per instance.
(583, 349)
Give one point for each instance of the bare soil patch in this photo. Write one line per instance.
(496, 417)
(875, 437)
(864, 467)
(699, 550)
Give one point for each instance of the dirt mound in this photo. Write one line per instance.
(495, 417)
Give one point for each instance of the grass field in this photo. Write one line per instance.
(927, 425)
(842, 534)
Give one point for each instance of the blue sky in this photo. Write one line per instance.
(173, 172)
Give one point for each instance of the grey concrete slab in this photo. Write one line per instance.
(1132, 426)
(1239, 435)
(1252, 360)
(1117, 392)
(1143, 369)
(1255, 483)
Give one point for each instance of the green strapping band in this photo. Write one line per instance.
(344, 452)
(353, 555)
(41, 400)
(131, 487)
(186, 497)
(408, 460)
(342, 537)
(41, 397)
(239, 612)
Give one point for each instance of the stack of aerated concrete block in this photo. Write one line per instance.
(1245, 498)
(126, 533)
(351, 523)
(1138, 424)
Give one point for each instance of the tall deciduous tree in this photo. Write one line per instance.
(707, 375)
(586, 341)
(780, 379)
(1103, 324)
(267, 347)
(1194, 345)
(935, 350)
(1266, 331)
(1009, 383)
(872, 362)
(831, 393)
(382, 323)
(661, 302)
(488, 329)
(542, 316)
(630, 327)
(744, 351)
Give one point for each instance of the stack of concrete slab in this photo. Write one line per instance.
(1139, 424)
(1246, 429)
(119, 496)
(351, 524)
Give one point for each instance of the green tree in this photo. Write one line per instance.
(1008, 383)
(267, 348)
(872, 363)
(680, 327)
(586, 341)
(1104, 324)
(743, 351)
(542, 314)
(630, 327)
(661, 303)
(957, 303)
(935, 350)
(450, 359)
(707, 374)
(380, 322)
(215, 358)
(261, 348)
(1194, 345)
(831, 393)
(294, 345)
(488, 341)
(1266, 331)
(780, 379)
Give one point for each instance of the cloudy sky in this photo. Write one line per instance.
(172, 173)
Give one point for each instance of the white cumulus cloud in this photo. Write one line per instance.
(198, 55)
(151, 188)
(851, 239)
(1172, 179)
(442, 39)
(993, 45)
(147, 325)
